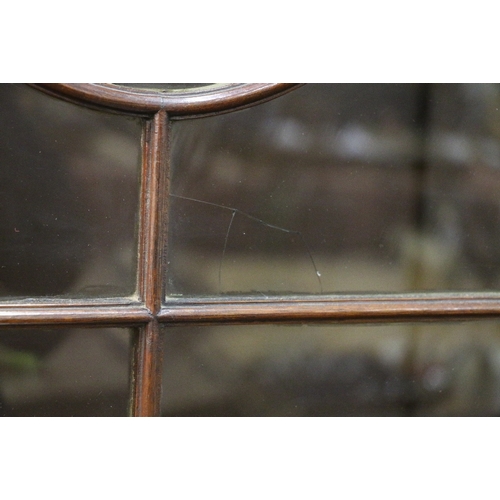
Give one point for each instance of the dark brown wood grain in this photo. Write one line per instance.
(86, 314)
(321, 309)
(154, 199)
(146, 369)
(139, 101)
(146, 372)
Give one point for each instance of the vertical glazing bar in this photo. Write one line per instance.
(147, 352)
(147, 372)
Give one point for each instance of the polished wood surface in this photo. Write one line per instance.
(276, 309)
(146, 372)
(92, 313)
(147, 355)
(333, 308)
(140, 101)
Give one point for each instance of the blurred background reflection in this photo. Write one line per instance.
(68, 197)
(340, 187)
(330, 188)
(427, 369)
(64, 372)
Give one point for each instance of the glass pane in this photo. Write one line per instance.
(460, 241)
(170, 87)
(339, 188)
(64, 372)
(425, 369)
(68, 197)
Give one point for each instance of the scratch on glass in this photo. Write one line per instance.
(235, 211)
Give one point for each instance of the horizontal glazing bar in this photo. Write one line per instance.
(279, 309)
(355, 308)
(51, 314)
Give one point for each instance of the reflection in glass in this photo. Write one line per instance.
(64, 372)
(68, 197)
(170, 87)
(339, 188)
(427, 369)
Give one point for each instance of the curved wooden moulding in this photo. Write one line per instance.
(202, 100)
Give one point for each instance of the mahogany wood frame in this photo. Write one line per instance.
(149, 311)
